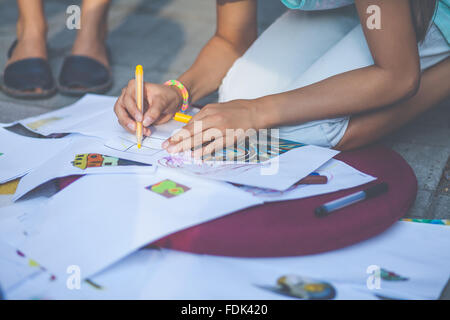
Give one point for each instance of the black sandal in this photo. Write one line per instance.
(22, 77)
(80, 75)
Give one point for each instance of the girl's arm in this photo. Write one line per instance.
(235, 32)
(370, 126)
(394, 75)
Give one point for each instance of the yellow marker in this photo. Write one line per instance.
(181, 117)
(139, 101)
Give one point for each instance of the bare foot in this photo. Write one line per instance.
(91, 47)
(31, 43)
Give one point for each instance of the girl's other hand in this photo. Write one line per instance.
(161, 102)
(211, 126)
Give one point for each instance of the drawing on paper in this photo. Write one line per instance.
(95, 160)
(1, 153)
(168, 188)
(391, 276)
(302, 288)
(231, 159)
(201, 168)
(42, 122)
(254, 151)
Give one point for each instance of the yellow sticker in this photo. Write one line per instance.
(9, 187)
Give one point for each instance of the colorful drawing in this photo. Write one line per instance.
(42, 122)
(198, 167)
(95, 160)
(1, 153)
(254, 151)
(444, 222)
(168, 188)
(391, 276)
(303, 288)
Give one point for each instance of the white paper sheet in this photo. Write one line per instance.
(92, 115)
(101, 218)
(412, 250)
(278, 173)
(84, 156)
(68, 119)
(415, 251)
(20, 154)
(340, 176)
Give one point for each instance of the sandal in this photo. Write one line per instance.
(80, 75)
(22, 78)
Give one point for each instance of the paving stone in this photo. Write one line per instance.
(421, 205)
(441, 207)
(11, 111)
(427, 162)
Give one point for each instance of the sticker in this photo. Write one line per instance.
(391, 276)
(96, 160)
(168, 188)
(9, 187)
(303, 288)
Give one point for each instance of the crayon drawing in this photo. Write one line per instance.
(95, 160)
(168, 188)
(391, 276)
(199, 167)
(254, 151)
(42, 122)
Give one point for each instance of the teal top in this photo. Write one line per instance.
(441, 17)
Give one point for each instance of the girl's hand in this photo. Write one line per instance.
(212, 124)
(160, 104)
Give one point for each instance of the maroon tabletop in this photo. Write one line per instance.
(290, 228)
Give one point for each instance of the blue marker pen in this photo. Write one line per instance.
(371, 192)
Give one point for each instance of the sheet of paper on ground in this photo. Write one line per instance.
(413, 259)
(101, 218)
(14, 268)
(83, 156)
(92, 115)
(19, 154)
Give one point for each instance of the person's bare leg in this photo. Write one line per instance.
(31, 31)
(369, 127)
(91, 37)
